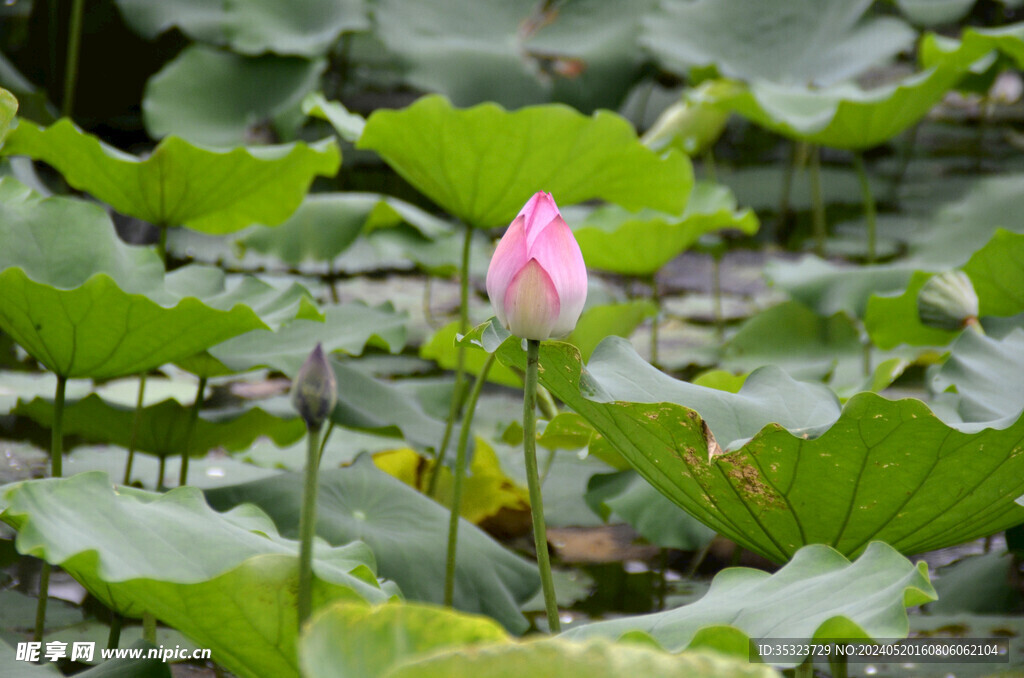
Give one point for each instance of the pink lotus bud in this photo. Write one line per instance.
(537, 280)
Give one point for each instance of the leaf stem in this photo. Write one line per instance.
(869, 205)
(817, 203)
(656, 298)
(460, 363)
(193, 417)
(136, 423)
(71, 62)
(460, 474)
(56, 470)
(533, 481)
(149, 627)
(307, 526)
(161, 473)
(114, 637)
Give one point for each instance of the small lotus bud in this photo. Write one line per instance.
(315, 390)
(948, 301)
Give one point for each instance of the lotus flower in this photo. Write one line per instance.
(537, 280)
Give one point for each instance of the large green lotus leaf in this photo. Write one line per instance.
(614, 239)
(86, 305)
(180, 184)
(596, 658)
(986, 374)
(974, 44)
(347, 124)
(824, 596)
(302, 27)
(348, 328)
(801, 342)
(655, 518)
(8, 109)
(326, 224)
(218, 98)
(111, 668)
(801, 471)
(802, 42)
(461, 159)
(162, 427)
(404, 639)
(514, 52)
(406, 531)
(997, 274)
(228, 581)
(842, 115)
(831, 288)
(359, 641)
(935, 12)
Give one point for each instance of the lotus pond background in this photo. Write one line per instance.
(193, 196)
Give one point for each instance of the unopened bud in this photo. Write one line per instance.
(948, 301)
(315, 390)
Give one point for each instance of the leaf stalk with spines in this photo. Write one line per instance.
(193, 417)
(460, 474)
(460, 361)
(56, 470)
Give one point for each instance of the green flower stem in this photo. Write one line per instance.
(460, 363)
(869, 205)
(817, 203)
(460, 474)
(193, 416)
(307, 526)
(56, 470)
(805, 670)
(114, 638)
(149, 627)
(136, 422)
(533, 481)
(71, 62)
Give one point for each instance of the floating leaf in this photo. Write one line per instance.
(218, 98)
(460, 158)
(326, 224)
(824, 594)
(85, 304)
(804, 42)
(842, 115)
(163, 428)
(228, 581)
(974, 44)
(406, 531)
(905, 477)
(359, 641)
(180, 184)
(303, 27)
(614, 239)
